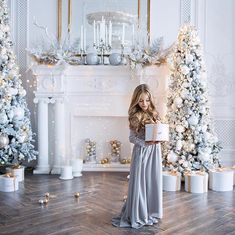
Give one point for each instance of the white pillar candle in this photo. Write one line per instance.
(110, 33)
(133, 34)
(102, 29)
(84, 39)
(106, 35)
(123, 33)
(94, 32)
(81, 38)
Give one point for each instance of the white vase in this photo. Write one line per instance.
(66, 173)
(77, 167)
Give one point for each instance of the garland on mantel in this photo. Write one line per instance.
(139, 57)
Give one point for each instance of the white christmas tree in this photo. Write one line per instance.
(15, 128)
(193, 144)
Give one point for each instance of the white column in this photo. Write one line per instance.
(59, 153)
(43, 158)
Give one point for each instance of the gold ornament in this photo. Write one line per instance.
(124, 161)
(45, 201)
(77, 195)
(128, 160)
(47, 195)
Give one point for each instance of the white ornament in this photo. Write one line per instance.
(178, 145)
(12, 91)
(172, 157)
(18, 113)
(3, 118)
(189, 58)
(193, 120)
(185, 69)
(180, 128)
(178, 102)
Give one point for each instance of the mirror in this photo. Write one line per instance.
(112, 24)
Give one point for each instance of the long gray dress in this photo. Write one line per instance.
(144, 201)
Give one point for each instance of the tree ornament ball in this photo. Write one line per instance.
(40, 201)
(4, 141)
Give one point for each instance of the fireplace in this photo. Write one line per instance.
(88, 102)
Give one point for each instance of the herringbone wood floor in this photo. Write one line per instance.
(101, 199)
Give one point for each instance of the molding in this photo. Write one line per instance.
(185, 11)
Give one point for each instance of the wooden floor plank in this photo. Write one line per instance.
(101, 198)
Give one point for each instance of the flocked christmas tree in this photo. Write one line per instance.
(15, 128)
(193, 144)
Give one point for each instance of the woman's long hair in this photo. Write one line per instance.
(137, 117)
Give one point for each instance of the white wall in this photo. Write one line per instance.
(215, 20)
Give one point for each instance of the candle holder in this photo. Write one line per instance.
(123, 59)
(102, 49)
(83, 55)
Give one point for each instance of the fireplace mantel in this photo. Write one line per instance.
(88, 102)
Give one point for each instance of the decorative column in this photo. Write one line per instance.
(43, 157)
(59, 153)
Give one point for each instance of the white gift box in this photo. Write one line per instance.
(66, 173)
(221, 179)
(157, 132)
(196, 182)
(171, 181)
(77, 165)
(233, 169)
(8, 183)
(16, 171)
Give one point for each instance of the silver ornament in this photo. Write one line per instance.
(4, 141)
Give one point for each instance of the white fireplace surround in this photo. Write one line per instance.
(88, 102)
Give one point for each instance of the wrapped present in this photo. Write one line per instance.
(171, 180)
(233, 169)
(157, 132)
(8, 183)
(221, 179)
(17, 171)
(196, 182)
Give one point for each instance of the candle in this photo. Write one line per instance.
(106, 35)
(84, 39)
(97, 34)
(94, 32)
(133, 34)
(123, 33)
(110, 33)
(81, 38)
(102, 29)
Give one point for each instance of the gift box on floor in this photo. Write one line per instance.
(157, 132)
(8, 183)
(233, 169)
(221, 179)
(196, 182)
(17, 171)
(171, 180)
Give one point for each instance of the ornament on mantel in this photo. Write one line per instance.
(90, 151)
(115, 150)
